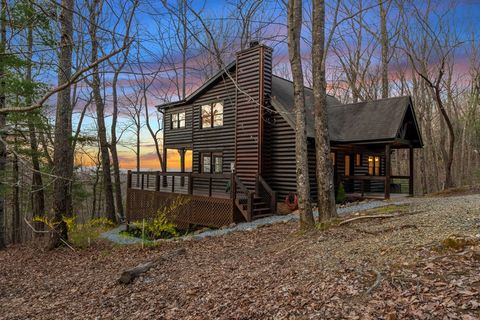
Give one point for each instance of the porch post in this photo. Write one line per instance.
(411, 168)
(164, 169)
(182, 166)
(387, 171)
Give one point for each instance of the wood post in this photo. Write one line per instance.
(143, 180)
(250, 206)
(129, 179)
(182, 166)
(173, 183)
(157, 181)
(411, 169)
(233, 186)
(164, 169)
(210, 186)
(190, 183)
(387, 171)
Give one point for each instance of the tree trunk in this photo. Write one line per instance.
(37, 198)
(95, 10)
(326, 189)
(384, 44)
(113, 145)
(15, 199)
(3, 147)
(301, 150)
(63, 153)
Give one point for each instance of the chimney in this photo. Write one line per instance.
(253, 89)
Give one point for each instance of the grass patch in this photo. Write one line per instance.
(388, 209)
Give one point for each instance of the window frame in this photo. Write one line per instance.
(212, 116)
(212, 156)
(178, 120)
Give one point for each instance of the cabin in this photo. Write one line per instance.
(235, 141)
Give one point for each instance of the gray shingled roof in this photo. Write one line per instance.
(364, 121)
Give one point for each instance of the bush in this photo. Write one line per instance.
(341, 195)
(101, 223)
(162, 226)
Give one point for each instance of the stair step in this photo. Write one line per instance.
(259, 216)
(258, 211)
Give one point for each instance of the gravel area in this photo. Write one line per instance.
(115, 236)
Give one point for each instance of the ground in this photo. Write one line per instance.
(408, 267)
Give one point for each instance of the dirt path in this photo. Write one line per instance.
(387, 269)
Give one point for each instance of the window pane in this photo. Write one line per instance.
(181, 120)
(377, 166)
(347, 165)
(358, 159)
(218, 164)
(370, 165)
(174, 121)
(206, 116)
(206, 164)
(217, 114)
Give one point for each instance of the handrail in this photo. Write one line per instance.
(272, 194)
(240, 187)
(160, 182)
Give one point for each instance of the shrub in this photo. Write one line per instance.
(341, 195)
(101, 223)
(162, 225)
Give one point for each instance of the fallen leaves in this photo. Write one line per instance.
(273, 272)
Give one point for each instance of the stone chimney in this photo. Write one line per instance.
(254, 86)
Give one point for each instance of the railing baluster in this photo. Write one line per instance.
(143, 178)
(173, 183)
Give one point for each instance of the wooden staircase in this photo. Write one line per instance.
(258, 204)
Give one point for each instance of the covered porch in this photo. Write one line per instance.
(366, 171)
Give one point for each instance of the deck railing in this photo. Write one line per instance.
(243, 199)
(202, 184)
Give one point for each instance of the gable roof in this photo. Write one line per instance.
(371, 121)
(362, 122)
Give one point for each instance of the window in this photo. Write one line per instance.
(358, 159)
(178, 120)
(332, 157)
(212, 115)
(374, 165)
(347, 165)
(211, 162)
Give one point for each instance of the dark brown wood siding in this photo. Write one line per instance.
(178, 136)
(218, 139)
(253, 77)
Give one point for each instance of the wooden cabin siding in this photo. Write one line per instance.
(280, 172)
(178, 136)
(218, 139)
(253, 78)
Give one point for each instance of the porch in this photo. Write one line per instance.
(213, 200)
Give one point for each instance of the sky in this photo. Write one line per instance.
(156, 32)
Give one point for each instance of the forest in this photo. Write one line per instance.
(79, 84)
(80, 81)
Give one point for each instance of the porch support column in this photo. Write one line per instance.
(182, 165)
(164, 168)
(411, 169)
(387, 171)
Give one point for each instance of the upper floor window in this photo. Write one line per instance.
(374, 165)
(212, 115)
(178, 120)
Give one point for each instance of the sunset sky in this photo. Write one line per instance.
(162, 89)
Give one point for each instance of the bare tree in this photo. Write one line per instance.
(326, 189)
(95, 9)
(3, 147)
(63, 153)
(301, 150)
